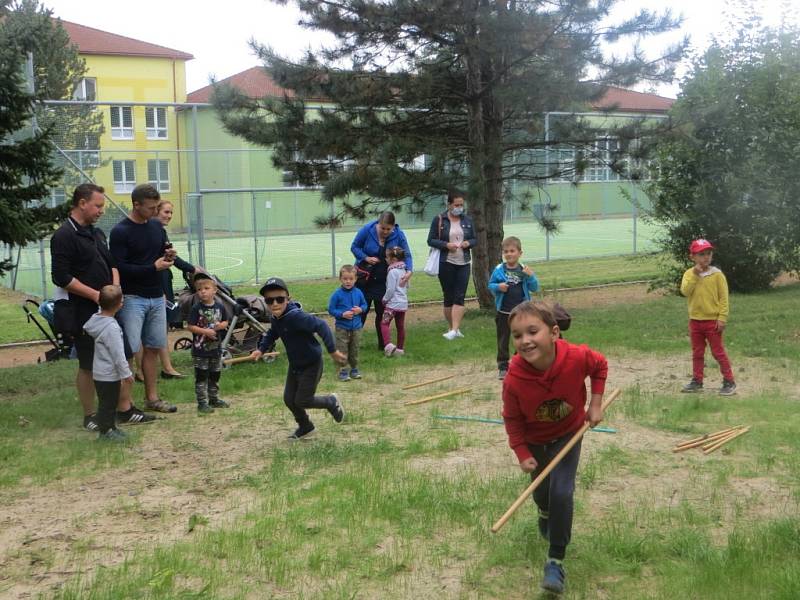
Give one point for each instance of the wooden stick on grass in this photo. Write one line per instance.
(243, 359)
(550, 466)
(707, 436)
(437, 396)
(711, 437)
(722, 442)
(416, 385)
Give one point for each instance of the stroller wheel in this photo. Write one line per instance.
(183, 343)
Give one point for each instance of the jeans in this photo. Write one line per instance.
(144, 321)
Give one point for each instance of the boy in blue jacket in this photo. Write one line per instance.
(297, 328)
(345, 305)
(511, 283)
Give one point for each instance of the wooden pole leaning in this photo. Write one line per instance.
(437, 396)
(416, 385)
(550, 466)
(244, 359)
(719, 443)
(705, 439)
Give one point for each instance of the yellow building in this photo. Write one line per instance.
(141, 141)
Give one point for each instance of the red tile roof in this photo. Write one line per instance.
(94, 41)
(622, 100)
(255, 83)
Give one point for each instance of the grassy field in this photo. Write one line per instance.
(234, 257)
(314, 294)
(395, 503)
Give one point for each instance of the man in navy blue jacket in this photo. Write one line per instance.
(138, 244)
(288, 322)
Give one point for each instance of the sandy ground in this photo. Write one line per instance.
(51, 533)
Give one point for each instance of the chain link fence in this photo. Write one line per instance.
(241, 218)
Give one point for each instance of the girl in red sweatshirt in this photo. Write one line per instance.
(544, 404)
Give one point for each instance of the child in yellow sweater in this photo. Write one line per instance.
(707, 291)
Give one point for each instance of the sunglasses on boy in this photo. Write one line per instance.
(278, 299)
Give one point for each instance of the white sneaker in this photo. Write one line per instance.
(399, 352)
(450, 335)
(458, 333)
(389, 349)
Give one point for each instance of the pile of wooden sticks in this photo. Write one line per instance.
(711, 441)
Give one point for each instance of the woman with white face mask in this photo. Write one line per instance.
(453, 233)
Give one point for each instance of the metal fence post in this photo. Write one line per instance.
(333, 240)
(43, 267)
(255, 231)
(635, 214)
(201, 241)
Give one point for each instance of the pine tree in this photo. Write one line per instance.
(26, 170)
(466, 83)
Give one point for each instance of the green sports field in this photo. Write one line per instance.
(243, 259)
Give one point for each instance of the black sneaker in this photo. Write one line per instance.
(728, 388)
(133, 416)
(203, 408)
(90, 423)
(336, 410)
(113, 435)
(554, 577)
(219, 403)
(303, 432)
(501, 373)
(693, 387)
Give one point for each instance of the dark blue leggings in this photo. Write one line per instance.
(454, 280)
(555, 494)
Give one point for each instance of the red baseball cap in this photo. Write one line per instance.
(700, 245)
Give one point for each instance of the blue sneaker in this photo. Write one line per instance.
(343, 376)
(354, 374)
(554, 577)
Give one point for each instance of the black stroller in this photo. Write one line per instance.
(246, 316)
(62, 344)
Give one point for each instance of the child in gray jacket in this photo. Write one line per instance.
(109, 366)
(395, 302)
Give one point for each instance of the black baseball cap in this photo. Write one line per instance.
(273, 283)
(200, 275)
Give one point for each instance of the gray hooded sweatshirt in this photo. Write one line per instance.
(109, 362)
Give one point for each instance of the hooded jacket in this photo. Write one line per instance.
(541, 406)
(343, 300)
(109, 362)
(529, 284)
(297, 328)
(396, 296)
(366, 243)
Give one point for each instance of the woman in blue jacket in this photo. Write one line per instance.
(453, 233)
(369, 248)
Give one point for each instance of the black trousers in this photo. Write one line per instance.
(555, 494)
(300, 389)
(503, 339)
(107, 398)
(373, 292)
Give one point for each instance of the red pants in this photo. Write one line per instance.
(700, 332)
(399, 317)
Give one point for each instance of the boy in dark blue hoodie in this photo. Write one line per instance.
(296, 328)
(346, 305)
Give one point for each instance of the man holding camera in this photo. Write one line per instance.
(139, 246)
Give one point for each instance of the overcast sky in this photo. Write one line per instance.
(216, 33)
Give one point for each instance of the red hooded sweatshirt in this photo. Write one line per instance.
(540, 406)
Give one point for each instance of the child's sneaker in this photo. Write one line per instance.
(554, 576)
(450, 335)
(204, 408)
(90, 423)
(303, 432)
(458, 333)
(728, 388)
(343, 375)
(389, 349)
(336, 410)
(501, 373)
(399, 352)
(355, 374)
(692, 387)
(113, 435)
(133, 416)
(219, 403)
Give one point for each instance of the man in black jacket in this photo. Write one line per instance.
(80, 266)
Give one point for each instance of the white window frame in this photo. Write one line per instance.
(127, 181)
(161, 181)
(157, 115)
(82, 89)
(122, 131)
